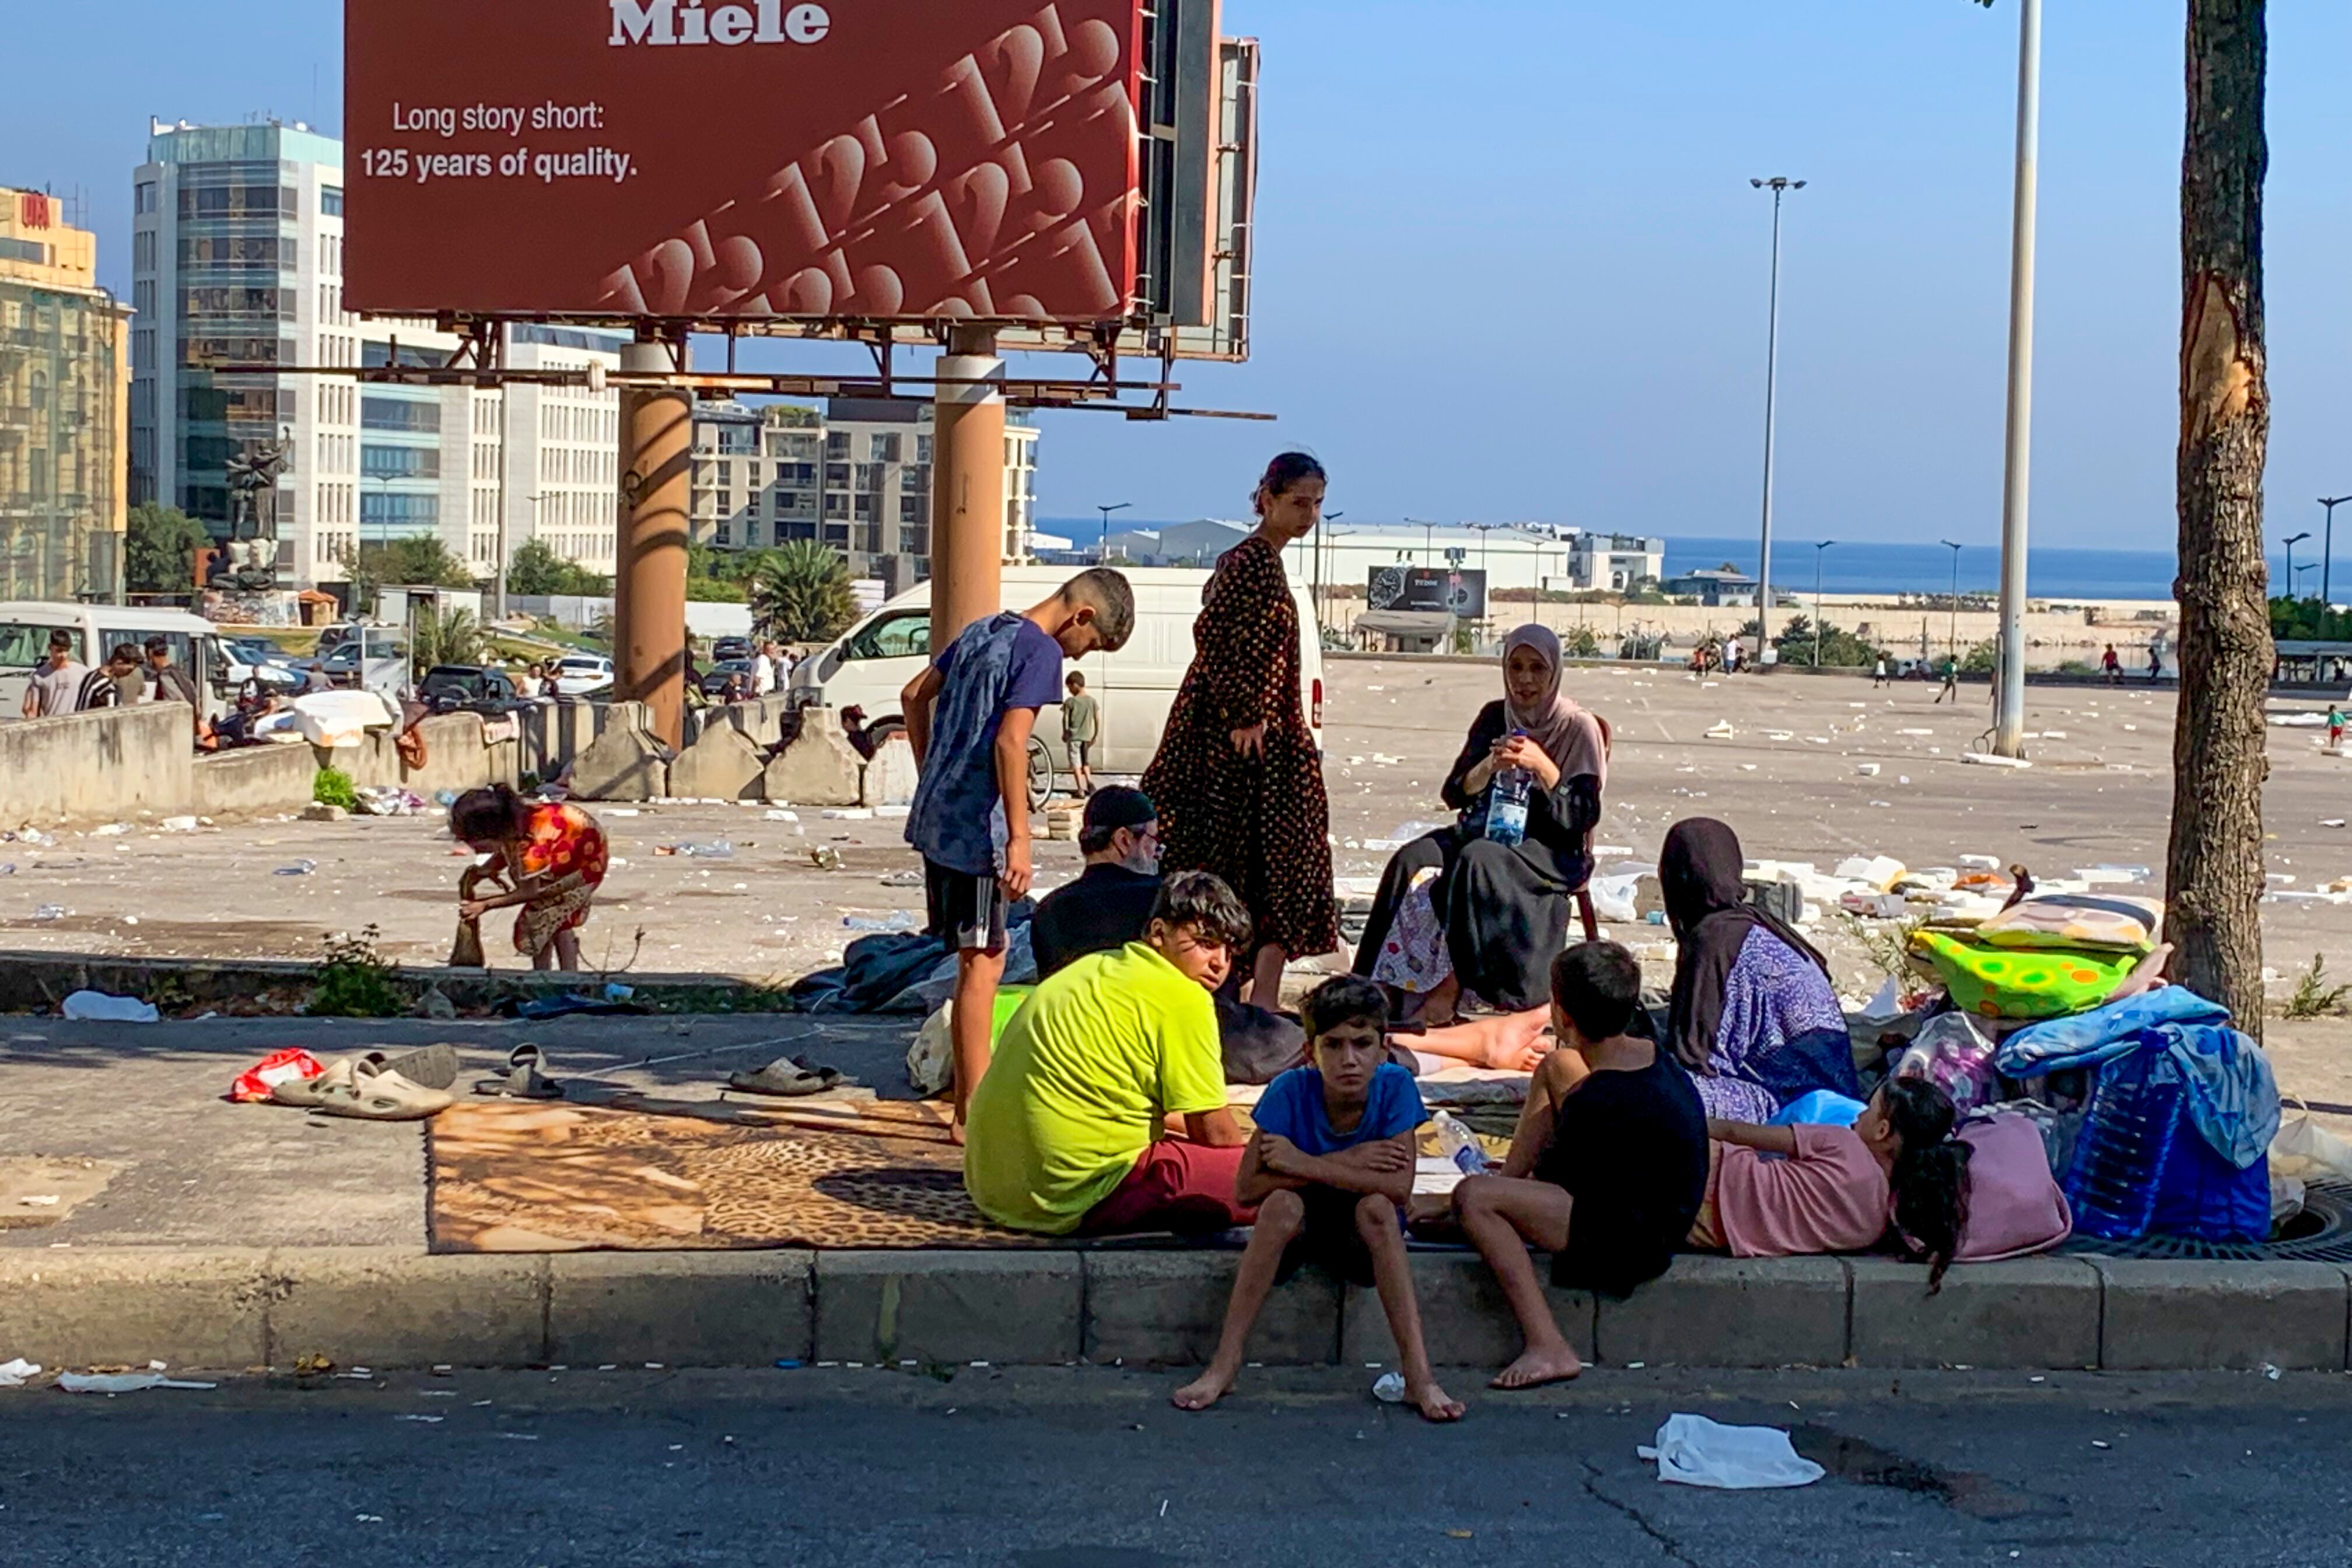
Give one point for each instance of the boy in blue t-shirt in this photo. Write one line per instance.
(969, 718)
(1329, 1172)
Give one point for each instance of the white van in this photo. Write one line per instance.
(874, 661)
(97, 630)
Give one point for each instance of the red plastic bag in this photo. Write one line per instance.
(255, 1082)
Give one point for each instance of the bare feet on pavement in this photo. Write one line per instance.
(1535, 1368)
(1203, 1391)
(1433, 1402)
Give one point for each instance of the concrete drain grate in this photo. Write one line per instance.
(2322, 1233)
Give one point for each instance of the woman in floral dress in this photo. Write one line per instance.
(1239, 778)
(551, 854)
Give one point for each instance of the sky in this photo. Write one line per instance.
(1510, 266)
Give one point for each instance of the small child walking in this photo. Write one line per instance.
(2334, 725)
(1081, 723)
(1329, 1171)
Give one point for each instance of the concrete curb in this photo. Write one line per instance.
(36, 982)
(393, 1307)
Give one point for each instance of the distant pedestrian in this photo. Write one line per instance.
(763, 670)
(56, 688)
(1951, 680)
(1878, 674)
(2155, 665)
(315, 678)
(2112, 664)
(2334, 725)
(1734, 655)
(1081, 722)
(124, 668)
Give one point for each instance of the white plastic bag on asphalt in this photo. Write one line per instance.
(1699, 1452)
(105, 1009)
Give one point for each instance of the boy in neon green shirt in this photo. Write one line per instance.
(1104, 1109)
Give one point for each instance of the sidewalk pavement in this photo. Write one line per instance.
(227, 1236)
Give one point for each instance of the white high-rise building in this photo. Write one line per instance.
(237, 242)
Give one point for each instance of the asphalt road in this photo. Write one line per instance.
(1090, 1469)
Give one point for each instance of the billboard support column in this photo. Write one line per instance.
(967, 485)
(649, 589)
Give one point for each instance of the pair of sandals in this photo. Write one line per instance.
(377, 1087)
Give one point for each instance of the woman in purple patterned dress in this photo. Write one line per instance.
(1753, 1017)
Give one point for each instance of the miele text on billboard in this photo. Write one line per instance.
(877, 158)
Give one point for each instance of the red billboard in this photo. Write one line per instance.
(883, 159)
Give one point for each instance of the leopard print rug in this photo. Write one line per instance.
(659, 1176)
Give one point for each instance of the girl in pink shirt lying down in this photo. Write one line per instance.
(1834, 1187)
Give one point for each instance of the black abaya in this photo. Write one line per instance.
(1505, 907)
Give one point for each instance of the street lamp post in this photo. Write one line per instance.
(1818, 551)
(1952, 644)
(2328, 549)
(1780, 185)
(2009, 691)
(2291, 544)
(1106, 512)
(2300, 572)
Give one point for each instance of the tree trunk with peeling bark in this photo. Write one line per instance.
(2215, 865)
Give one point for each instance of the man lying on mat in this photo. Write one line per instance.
(1104, 1111)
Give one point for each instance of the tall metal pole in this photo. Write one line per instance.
(499, 575)
(1818, 550)
(2328, 548)
(2293, 540)
(2009, 703)
(1780, 185)
(1952, 646)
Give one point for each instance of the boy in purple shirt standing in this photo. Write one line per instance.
(969, 719)
(1329, 1172)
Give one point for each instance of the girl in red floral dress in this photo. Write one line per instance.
(551, 857)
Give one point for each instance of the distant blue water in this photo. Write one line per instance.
(2051, 572)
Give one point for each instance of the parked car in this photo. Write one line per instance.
(450, 687)
(261, 660)
(583, 674)
(729, 648)
(716, 678)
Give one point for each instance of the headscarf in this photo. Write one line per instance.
(1707, 904)
(1568, 735)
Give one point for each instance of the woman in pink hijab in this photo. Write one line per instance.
(1462, 917)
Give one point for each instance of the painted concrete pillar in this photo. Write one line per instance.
(967, 486)
(649, 585)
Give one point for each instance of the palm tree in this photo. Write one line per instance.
(800, 593)
(446, 636)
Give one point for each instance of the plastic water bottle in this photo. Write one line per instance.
(1389, 1388)
(717, 850)
(2126, 1140)
(1460, 1145)
(1507, 804)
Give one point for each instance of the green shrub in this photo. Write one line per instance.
(355, 981)
(332, 786)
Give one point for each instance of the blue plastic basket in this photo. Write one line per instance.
(2126, 1145)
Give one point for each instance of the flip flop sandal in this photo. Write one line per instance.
(790, 1077)
(521, 1077)
(434, 1065)
(309, 1093)
(373, 1094)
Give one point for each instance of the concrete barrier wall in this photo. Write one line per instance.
(125, 762)
(255, 780)
(98, 767)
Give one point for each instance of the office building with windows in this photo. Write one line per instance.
(64, 364)
(237, 258)
(856, 476)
